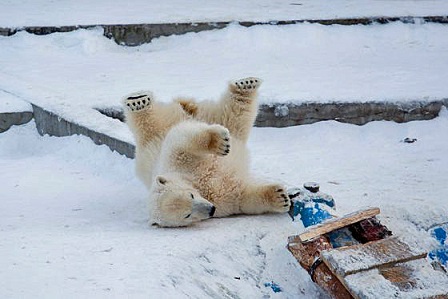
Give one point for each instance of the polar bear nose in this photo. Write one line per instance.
(212, 211)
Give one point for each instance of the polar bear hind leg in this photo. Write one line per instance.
(236, 110)
(239, 107)
(268, 198)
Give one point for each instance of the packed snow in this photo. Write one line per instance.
(17, 13)
(372, 284)
(69, 73)
(10, 104)
(73, 221)
(73, 214)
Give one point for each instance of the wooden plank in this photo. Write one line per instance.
(412, 279)
(400, 275)
(330, 283)
(336, 223)
(344, 261)
(306, 254)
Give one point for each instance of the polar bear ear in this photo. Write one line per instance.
(161, 180)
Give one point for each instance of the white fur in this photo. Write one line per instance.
(193, 157)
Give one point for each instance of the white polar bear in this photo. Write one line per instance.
(193, 156)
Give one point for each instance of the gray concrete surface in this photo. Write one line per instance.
(284, 115)
(281, 115)
(9, 119)
(54, 125)
(277, 115)
(137, 34)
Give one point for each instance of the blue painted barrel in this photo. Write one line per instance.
(440, 232)
(312, 205)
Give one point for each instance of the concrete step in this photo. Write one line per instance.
(52, 124)
(276, 115)
(13, 111)
(137, 34)
(285, 115)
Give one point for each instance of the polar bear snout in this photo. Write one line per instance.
(212, 211)
(203, 209)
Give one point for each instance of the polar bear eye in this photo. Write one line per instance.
(191, 194)
(188, 216)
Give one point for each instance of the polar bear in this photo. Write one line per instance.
(192, 156)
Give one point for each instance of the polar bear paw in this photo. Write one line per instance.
(219, 140)
(278, 198)
(246, 85)
(138, 101)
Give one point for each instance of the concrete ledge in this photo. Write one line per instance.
(285, 115)
(53, 125)
(9, 119)
(137, 34)
(276, 115)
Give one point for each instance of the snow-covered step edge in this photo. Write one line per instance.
(277, 115)
(358, 113)
(13, 111)
(50, 123)
(9, 119)
(137, 34)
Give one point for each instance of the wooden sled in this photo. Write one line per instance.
(374, 264)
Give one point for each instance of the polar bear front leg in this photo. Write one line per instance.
(190, 143)
(194, 139)
(270, 198)
(139, 115)
(150, 121)
(210, 139)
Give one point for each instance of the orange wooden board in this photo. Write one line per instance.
(336, 223)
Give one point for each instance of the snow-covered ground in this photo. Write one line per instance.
(16, 13)
(69, 73)
(72, 214)
(303, 62)
(10, 103)
(73, 222)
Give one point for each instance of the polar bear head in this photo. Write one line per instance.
(174, 202)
